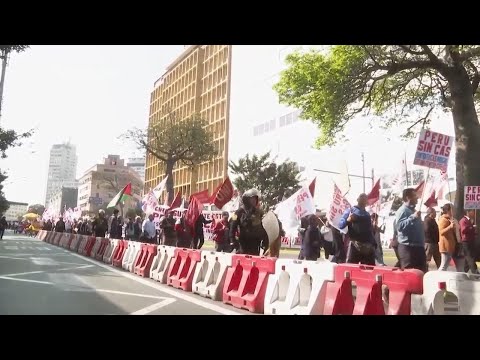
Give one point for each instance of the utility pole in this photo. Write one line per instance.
(363, 167)
(4, 57)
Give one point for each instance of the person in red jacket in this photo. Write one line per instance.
(221, 234)
(467, 232)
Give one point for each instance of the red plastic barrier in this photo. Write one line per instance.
(56, 238)
(182, 268)
(369, 280)
(145, 263)
(119, 253)
(95, 247)
(90, 245)
(81, 244)
(49, 237)
(101, 250)
(246, 282)
(42, 234)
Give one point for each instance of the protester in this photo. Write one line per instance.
(431, 237)
(149, 232)
(339, 252)
(394, 243)
(168, 227)
(468, 232)
(327, 237)
(221, 234)
(184, 234)
(137, 229)
(100, 224)
(113, 226)
(301, 234)
(60, 225)
(68, 226)
(3, 226)
(361, 248)
(48, 225)
(377, 231)
(199, 238)
(313, 239)
(128, 229)
(449, 246)
(411, 236)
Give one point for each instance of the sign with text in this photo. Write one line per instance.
(338, 206)
(471, 198)
(433, 150)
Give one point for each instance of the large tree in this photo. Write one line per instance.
(5, 51)
(173, 140)
(263, 173)
(390, 80)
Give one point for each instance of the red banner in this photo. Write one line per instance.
(201, 196)
(222, 194)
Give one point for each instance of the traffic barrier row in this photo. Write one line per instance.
(282, 286)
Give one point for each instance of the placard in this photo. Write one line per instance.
(433, 150)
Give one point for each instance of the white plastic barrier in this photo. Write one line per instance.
(107, 256)
(83, 242)
(61, 242)
(298, 287)
(466, 287)
(132, 256)
(210, 274)
(75, 242)
(161, 263)
(126, 256)
(96, 246)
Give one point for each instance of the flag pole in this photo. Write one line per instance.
(424, 189)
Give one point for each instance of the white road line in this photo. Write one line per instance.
(59, 254)
(26, 280)
(13, 258)
(154, 307)
(51, 270)
(164, 288)
(119, 292)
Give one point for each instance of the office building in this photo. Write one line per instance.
(197, 82)
(99, 185)
(62, 168)
(63, 199)
(138, 164)
(15, 211)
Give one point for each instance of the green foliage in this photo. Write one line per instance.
(36, 209)
(9, 138)
(264, 174)
(3, 201)
(352, 80)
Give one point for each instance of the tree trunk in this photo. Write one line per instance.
(169, 165)
(467, 136)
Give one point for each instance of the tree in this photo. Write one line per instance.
(264, 174)
(115, 184)
(4, 205)
(333, 88)
(36, 209)
(5, 51)
(172, 141)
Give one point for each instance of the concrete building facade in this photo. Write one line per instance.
(62, 168)
(66, 197)
(138, 164)
(99, 185)
(197, 82)
(16, 210)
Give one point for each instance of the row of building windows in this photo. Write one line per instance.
(268, 126)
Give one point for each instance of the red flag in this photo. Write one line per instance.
(193, 212)
(420, 188)
(311, 187)
(177, 201)
(202, 197)
(431, 201)
(374, 195)
(222, 194)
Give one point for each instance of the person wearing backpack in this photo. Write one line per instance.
(361, 248)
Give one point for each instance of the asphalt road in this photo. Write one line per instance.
(37, 278)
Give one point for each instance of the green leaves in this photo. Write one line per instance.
(264, 174)
(391, 80)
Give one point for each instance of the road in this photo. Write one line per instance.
(37, 278)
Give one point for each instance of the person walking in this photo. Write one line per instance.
(448, 244)
(377, 231)
(221, 234)
(431, 237)
(410, 233)
(468, 231)
(3, 226)
(313, 239)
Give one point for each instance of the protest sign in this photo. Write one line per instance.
(433, 150)
(471, 198)
(338, 206)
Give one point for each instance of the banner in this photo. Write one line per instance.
(338, 206)
(157, 190)
(471, 198)
(222, 194)
(149, 203)
(433, 150)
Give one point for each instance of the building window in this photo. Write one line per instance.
(282, 121)
(272, 124)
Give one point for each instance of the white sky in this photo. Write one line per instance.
(92, 94)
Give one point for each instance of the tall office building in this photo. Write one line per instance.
(138, 165)
(62, 168)
(197, 82)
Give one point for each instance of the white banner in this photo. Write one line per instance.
(159, 188)
(338, 206)
(149, 202)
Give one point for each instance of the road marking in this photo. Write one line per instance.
(51, 270)
(164, 288)
(119, 292)
(26, 280)
(154, 307)
(12, 258)
(8, 247)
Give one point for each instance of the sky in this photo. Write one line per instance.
(90, 95)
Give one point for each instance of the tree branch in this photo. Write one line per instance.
(411, 51)
(424, 119)
(465, 55)
(475, 78)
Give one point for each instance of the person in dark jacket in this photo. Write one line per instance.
(167, 225)
(100, 224)
(312, 239)
(137, 229)
(199, 238)
(221, 234)
(60, 225)
(361, 248)
(468, 232)
(48, 225)
(115, 226)
(3, 226)
(431, 237)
